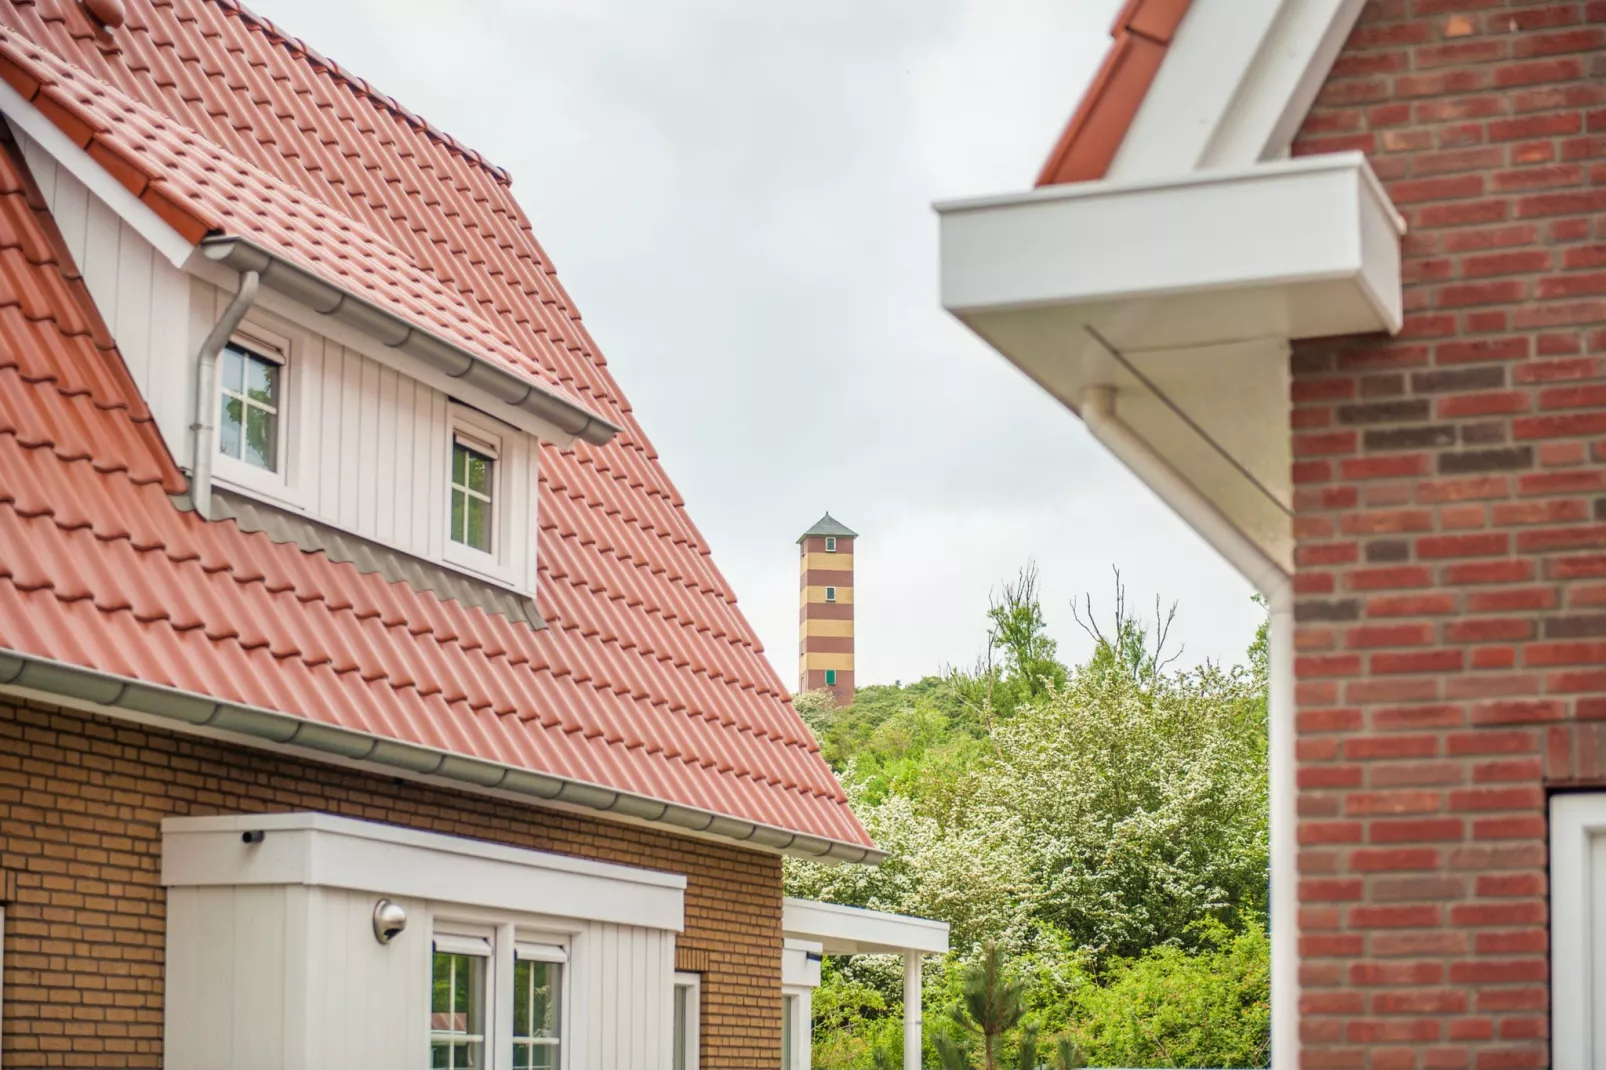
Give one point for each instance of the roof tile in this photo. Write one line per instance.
(647, 678)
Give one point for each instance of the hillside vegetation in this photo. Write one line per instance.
(1103, 825)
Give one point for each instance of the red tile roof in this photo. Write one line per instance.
(647, 680)
(1142, 33)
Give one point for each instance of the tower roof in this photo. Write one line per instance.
(829, 525)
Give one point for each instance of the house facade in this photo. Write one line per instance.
(367, 696)
(1327, 276)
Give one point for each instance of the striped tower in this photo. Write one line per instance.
(825, 609)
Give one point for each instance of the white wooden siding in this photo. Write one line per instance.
(275, 977)
(369, 447)
(142, 297)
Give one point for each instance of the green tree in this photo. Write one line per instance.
(992, 1002)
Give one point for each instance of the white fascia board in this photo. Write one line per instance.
(1271, 231)
(30, 120)
(1282, 83)
(853, 931)
(1235, 85)
(1210, 55)
(336, 852)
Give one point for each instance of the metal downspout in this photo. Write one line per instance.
(204, 427)
(1098, 412)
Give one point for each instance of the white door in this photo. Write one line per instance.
(1578, 931)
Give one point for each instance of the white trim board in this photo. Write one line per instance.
(323, 850)
(852, 931)
(153, 228)
(1235, 85)
(1577, 942)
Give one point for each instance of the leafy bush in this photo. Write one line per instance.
(1105, 826)
(1170, 1007)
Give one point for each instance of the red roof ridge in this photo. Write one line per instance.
(1142, 33)
(364, 88)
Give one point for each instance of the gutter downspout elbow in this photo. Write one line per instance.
(1098, 411)
(204, 428)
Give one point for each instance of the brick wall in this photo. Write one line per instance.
(1451, 528)
(81, 802)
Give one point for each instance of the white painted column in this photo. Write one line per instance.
(912, 1016)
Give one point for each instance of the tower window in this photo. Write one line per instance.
(830, 594)
(830, 677)
(830, 544)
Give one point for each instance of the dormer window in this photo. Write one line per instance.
(830, 544)
(252, 392)
(473, 493)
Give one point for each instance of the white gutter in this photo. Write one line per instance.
(389, 329)
(1098, 412)
(188, 711)
(204, 428)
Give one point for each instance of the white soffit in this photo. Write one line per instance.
(843, 930)
(336, 852)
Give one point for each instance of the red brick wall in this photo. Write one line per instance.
(81, 804)
(1451, 528)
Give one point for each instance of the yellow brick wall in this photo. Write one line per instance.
(81, 804)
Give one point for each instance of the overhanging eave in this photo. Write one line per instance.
(1182, 296)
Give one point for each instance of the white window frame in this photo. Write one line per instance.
(475, 942)
(503, 941)
(693, 984)
(830, 594)
(830, 544)
(797, 1010)
(547, 949)
(1576, 823)
(278, 483)
(483, 435)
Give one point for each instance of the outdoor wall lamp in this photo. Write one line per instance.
(390, 918)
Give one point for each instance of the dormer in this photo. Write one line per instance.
(308, 377)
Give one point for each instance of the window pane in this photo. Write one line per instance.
(479, 473)
(262, 381)
(457, 1013)
(478, 524)
(228, 427)
(458, 498)
(535, 999)
(261, 438)
(459, 464)
(233, 370)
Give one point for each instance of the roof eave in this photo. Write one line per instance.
(186, 711)
(322, 296)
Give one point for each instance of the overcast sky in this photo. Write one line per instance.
(738, 196)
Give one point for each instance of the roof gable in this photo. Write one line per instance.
(829, 525)
(647, 681)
